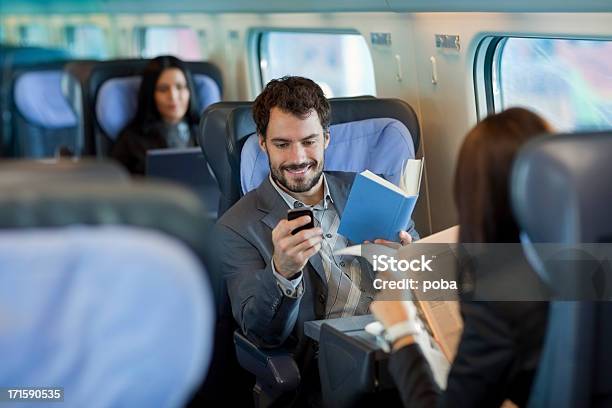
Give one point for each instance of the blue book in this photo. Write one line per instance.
(376, 208)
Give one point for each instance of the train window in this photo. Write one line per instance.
(182, 42)
(567, 81)
(86, 41)
(33, 34)
(340, 63)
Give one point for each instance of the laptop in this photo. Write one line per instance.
(186, 166)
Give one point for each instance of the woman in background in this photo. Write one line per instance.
(166, 115)
(501, 342)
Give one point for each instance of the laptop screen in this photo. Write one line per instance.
(186, 166)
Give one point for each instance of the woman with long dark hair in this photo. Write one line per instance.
(500, 347)
(166, 117)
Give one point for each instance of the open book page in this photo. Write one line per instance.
(377, 179)
(444, 321)
(410, 181)
(443, 317)
(378, 249)
(447, 236)
(439, 364)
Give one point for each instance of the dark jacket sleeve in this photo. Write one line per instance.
(122, 151)
(480, 373)
(264, 314)
(131, 147)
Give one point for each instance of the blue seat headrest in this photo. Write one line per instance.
(117, 315)
(39, 99)
(381, 145)
(560, 188)
(117, 103)
(207, 91)
(560, 194)
(117, 100)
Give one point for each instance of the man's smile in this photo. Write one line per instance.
(299, 170)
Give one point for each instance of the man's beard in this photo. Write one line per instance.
(300, 185)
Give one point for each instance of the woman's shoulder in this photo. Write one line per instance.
(131, 131)
(137, 139)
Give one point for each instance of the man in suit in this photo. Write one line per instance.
(276, 280)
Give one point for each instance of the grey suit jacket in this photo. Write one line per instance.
(265, 315)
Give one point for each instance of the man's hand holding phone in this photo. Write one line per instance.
(294, 245)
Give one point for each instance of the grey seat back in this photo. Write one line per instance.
(43, 121)
(117, 315)
(12, 60)
(561, 194)
(97, 194)
(214, 142)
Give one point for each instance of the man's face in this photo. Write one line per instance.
(295, 149)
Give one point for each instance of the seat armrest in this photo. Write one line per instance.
(275, 368)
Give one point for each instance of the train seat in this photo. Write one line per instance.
(37, 195)
(12, 59)
(43, 121)
(566, 177)
(213, 142)
(116, 315)
(381, 145)
(97, 193)
(104, 95)
(387, 119)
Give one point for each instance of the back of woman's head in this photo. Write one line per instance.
(147, 113)
(483, 172)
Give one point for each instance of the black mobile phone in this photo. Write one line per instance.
(300, 212)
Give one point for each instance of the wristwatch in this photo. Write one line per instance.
(398, 330)
(386, 337)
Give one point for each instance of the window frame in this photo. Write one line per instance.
(487, 63)
(255, 38)
(23, 27)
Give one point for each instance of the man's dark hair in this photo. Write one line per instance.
(292, 94)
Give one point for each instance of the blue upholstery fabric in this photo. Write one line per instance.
(116, 104)
(381, 145)
(117, 100)
(43, 120)
(38, 96)
(119, 317)
(207, 90)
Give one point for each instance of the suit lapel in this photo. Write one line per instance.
(339, 191)
(270, 202)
